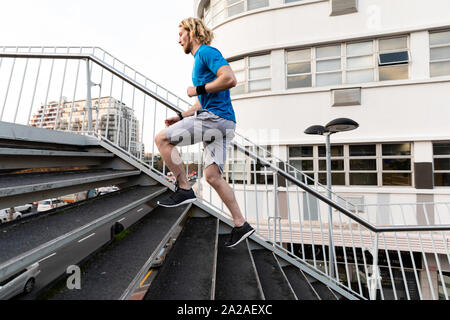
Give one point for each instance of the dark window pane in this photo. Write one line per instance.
(442, 164)
(396, 164)
(363, 179)
(336, 165)
(258, 166)
(442, 179)
(362, 150)
(302, 165)
(396, 179)
(441, 149)
(303, 152)
(336, 151)
(309, 180)
(394, 58)
(397, 149)
(363, 165)
(303, 179)
(261, 178)
(337, 179)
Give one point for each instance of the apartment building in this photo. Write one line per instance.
(110, 119)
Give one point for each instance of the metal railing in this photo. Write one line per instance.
(404, 259)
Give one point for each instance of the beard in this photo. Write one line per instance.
(188, 49)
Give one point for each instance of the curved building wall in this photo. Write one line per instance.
(403, 101)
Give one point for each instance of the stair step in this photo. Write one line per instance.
(300, 284)
(189, 269)
(322, 290)
(26, 235)
(273, 282)
(52, 153)
(20, 158)
(108, 273)
(236, 277)
(13, 187)
(24, 133)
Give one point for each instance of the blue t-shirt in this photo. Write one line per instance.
(208, 61)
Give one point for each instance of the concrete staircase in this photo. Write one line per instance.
(116, 238)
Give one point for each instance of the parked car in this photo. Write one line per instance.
(21, 282)
(105, 190)
(25, 208)
(6, 217)
(49, 204)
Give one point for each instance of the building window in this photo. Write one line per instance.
(252, 74)
(441, 162)
(367, 61)
(302, 159)
(363, 165)
(298, 69)
(359, 62)
(393, 59)
(241, 169)
(328, 66)
(262, 174)
(216, 11)
(337, 165)
(235, 170)
(440, 54)
(397, 168)
(356, 165)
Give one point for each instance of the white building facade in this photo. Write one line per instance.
(383, 63)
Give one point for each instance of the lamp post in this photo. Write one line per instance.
(335, 126)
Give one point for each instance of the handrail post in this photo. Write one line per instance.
(375, 277)
(89, 96)
(330, 210)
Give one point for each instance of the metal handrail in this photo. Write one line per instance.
(264, 162)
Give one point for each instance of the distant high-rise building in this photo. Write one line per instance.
(110, 119)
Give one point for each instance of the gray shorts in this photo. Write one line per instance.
(215, 132)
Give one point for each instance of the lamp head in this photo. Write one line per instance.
(317, 130)
(341, 125)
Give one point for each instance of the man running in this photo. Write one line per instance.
(210, 120)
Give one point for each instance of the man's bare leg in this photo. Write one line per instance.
(223, 189)
(171, 157)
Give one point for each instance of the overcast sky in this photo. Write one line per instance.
(143, 34)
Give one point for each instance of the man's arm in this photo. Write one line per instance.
(188, 113)
(191, 110)
(225, 80)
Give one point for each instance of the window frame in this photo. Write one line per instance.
(438, 46)
(344, 57)
(378, 157)
(439, 171)
(247, 70)
(211, 23)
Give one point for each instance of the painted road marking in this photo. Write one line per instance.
(53, 254)
(140, 209)
(145, 278)
(81, 240)
(121, 220)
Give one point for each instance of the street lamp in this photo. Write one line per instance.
(335, 126)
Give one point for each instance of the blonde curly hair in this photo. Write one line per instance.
(197, 30)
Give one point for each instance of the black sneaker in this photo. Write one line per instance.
(178, 198)
(238, 234)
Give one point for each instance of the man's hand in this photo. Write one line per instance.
(171, 121)
(192, 92)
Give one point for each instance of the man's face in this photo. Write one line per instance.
(185, 40)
